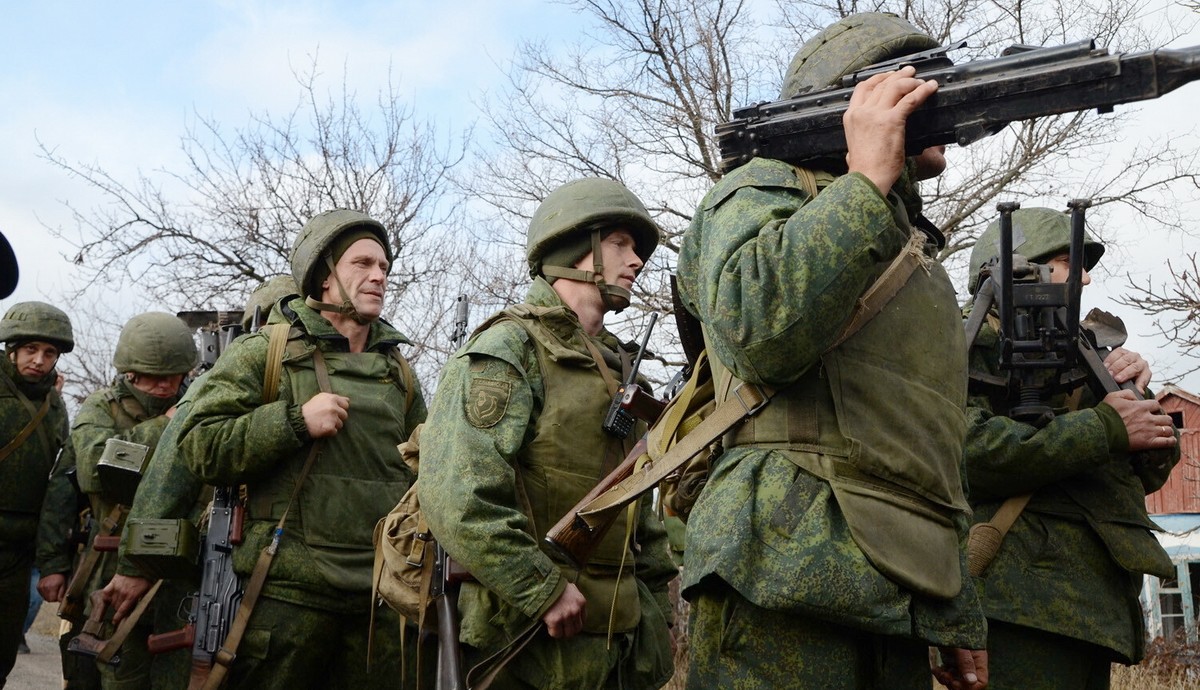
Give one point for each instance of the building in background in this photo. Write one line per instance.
(1172, 605)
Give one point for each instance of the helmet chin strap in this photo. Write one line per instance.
(346, 308)
(615, 297)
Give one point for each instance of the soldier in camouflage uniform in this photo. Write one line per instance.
(33, 429)
(826, 548)
(154, 353)
(169, 490)
(514, 440)
(1061, 596)
(310, 627)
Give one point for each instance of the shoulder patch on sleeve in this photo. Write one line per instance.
(487, 401)
(759, 172)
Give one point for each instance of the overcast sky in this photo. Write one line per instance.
(116, 83)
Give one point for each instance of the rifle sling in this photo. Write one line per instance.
(748, 398)
(36, 416)
(126, 626)
(111, 525)
(224, 657)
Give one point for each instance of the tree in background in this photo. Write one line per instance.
(636, 98)
(205, 235)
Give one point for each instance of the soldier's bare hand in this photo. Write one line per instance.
(565, 616)
(1147, 426)
(963, 669)
(875, 123)
(123, 593)
(325, 413)
(1126, 365)
(52, 587)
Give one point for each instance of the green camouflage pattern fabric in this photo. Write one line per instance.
(735, 645)
(1072, 564)
(60, 515)
(115, 412)
(231, 437)
(26, 471)
(470, 496)
(772, 275)
(1037, 660)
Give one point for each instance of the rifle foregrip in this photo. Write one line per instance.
(183, 638)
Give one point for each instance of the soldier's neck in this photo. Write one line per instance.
(584, 300)
(356, 333)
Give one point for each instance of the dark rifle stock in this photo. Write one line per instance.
(974, 100)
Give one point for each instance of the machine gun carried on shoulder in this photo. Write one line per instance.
(974, 100)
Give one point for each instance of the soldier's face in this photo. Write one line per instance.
(1060, 265)
(157, 386)
(622, 264)
(34, 359)
(363, 271)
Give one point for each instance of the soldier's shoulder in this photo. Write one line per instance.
(764, 173)
(504, 339)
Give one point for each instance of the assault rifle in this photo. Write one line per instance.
(974, 100)
(443, 586)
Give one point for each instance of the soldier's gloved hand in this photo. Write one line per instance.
(52, 587)
(875, 122)
(1126, 365)
(123, 593)
(565, 616)
(962, 669)
(325, 413)
(1146, 425)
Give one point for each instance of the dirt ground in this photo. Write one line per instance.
(40, 669)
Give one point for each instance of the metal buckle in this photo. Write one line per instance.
(750, 406)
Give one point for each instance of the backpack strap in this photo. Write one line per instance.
(273, 372)
(408, 378)
(885, 287)
(34, 423)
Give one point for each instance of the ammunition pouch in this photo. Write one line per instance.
(163, 549)
(120, 470)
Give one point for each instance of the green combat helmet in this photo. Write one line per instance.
(155, 343)
(851, 44)
(265, 297)
(1039, 234)
(27, 321)
(312, 255)
(591, 205)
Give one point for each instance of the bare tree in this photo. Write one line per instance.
(637, 97)
(1174, 305)
(205, 235)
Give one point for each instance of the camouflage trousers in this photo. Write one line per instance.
(15, 567)
(736, 645)
(289, 646)
(1021, 658)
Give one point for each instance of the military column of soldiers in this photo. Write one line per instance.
(827, 549)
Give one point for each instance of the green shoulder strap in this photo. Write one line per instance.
(273, 372)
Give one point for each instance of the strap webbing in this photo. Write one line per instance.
(273, 373)
(114, 643)
(224, 657)
(28, 429)
(885, 287)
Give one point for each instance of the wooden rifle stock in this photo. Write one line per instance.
(571, 537)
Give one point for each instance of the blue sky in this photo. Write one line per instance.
(117, 83)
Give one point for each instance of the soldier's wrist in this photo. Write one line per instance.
(1114, 427)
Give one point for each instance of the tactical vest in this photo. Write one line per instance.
(570, 453)
(358, 476)
(881, 418)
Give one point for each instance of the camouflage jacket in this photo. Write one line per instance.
(475, 469)
(27, 468)
(111, 412)
(231, 437)
(168, 490)
(773, 275)
(1072, 563)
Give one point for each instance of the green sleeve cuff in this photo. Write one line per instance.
(1114, 428)
(559, 585)
(295, 417)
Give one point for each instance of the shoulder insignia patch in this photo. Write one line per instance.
(487, 402)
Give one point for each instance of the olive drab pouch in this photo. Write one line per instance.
(163, 549)
(120, 469)
(404, 548)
